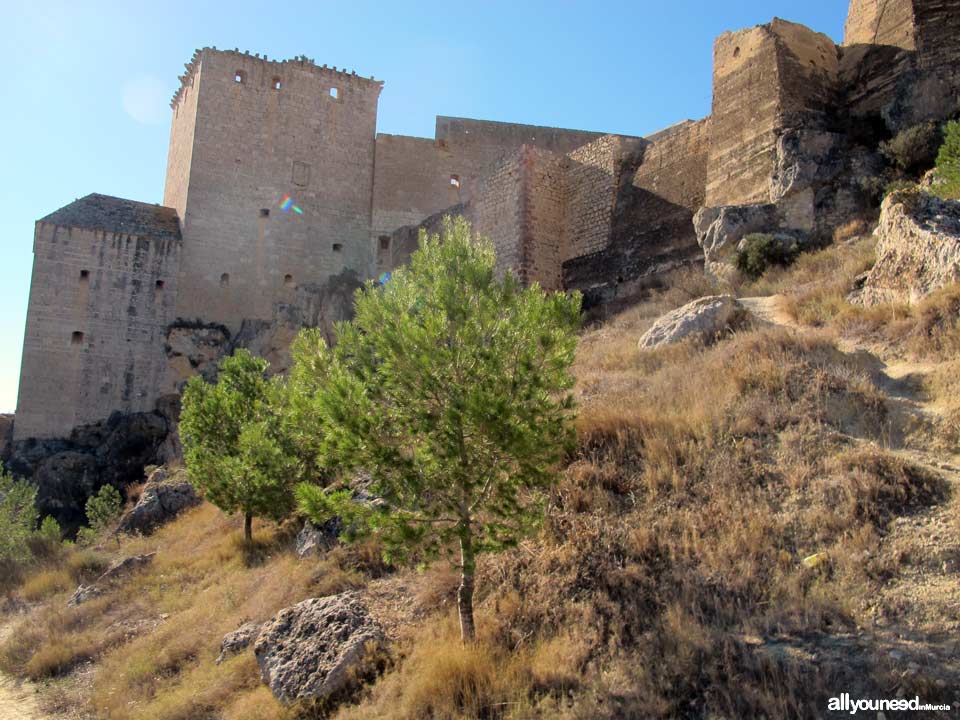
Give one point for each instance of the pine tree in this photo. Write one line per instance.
(232, 445)
(451, 388)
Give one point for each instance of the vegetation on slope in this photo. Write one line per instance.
(669, 577)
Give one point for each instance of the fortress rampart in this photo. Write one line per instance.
(794, 125)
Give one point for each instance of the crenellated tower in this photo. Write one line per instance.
(246, 133)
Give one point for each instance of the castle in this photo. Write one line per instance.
(279, 193)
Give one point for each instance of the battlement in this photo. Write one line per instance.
(272, 69)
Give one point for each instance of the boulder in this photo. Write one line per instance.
(702, 320)
(312, 540)
(69, 470)
(118, 570)
(238, 640)
(162, 500)
(318, 650)
(719, 229)
(84, 593)
(918, 249)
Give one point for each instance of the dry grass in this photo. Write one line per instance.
(823, 277)
(155, 636)
(45, 583)
(668, 576)
(675, 540)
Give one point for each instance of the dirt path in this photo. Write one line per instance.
(922, 600)
(18, 700)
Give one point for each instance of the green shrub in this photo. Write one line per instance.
(948, 163)
(899, 186)
(759, 251)
(914, 149)
(18, 519)
(104, 507)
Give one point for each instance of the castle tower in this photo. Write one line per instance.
(247, 133)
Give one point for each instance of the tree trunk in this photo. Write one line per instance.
(465, 592)
(248, 528)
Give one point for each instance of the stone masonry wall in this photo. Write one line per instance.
(592, 180)
(766, 78)
(543, 236)
(100, 303)
(417, 177)
(312, 138)
(497, 212)
(880, 22)
(412, 180)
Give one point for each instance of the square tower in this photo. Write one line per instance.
(246, 134)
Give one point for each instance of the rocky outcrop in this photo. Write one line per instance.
(703, 320)
(312, 540)
(319, 649)
(720, 229)
(6, 435)
(114, 573)
(238, 640)
(918, 249)
(69, 470)
(162, 500)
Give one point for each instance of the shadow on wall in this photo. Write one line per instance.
(648, 236)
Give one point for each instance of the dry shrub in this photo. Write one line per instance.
(440, 677)
(45, 583)
(849, 230)
(257, 704)
(820, 276)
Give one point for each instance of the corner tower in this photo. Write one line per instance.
(246, 133)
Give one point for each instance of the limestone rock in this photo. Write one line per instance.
(918, 249)
(115, 572)
(84, 593)
(238, 640)
(312, 540)
(161, 501)
(702, 319)
(317, 649)
(721, 228)
(69, 470)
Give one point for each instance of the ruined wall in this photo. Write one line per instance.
(99, 306)
(412, 179)
(938, 36)
(766, 78)
(592, 179)
(880, 22)
(263, 130)
(417, 177)
(651, 220)
(543, 232)
(496, 211)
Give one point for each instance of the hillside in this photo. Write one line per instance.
(745, 529)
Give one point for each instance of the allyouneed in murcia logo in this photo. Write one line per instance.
(845, 703)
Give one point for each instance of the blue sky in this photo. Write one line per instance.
(85, 98)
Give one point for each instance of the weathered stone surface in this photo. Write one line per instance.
(702, 319)
(115, 572)
(6, 435)
(69, 470)
(918, 249)
(317, 649)
(84, 593)
(162, 500)
(312, 540)
(720, 229)
(238, 640)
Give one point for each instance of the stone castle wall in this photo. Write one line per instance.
(254, 143)
(880, 22)
(795, 121)
(766, 78)
(100, 303)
